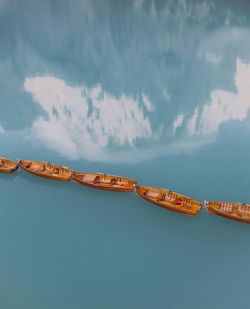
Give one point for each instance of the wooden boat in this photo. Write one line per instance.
(169, 199)
(47, 170)
(105, 181)
(234, 211)
(7, 166)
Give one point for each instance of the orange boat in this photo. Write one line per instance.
(7, 166)
(234, 211)
(105, 181)
(169, 199)
(47, 170)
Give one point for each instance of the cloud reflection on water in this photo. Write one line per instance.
(86, 122)
(224, 105)
(82, 122)
(1, 129)
(132, 80)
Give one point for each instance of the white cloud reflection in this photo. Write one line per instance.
(191, 125)
(83, 122)
(88, 123)
(224, 105)
(178, 122)
(1, 129)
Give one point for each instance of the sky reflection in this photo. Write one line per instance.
(94, 82)
(81, 122)
(224, 105)
(1, 129)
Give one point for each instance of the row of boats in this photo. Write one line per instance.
(161, 197)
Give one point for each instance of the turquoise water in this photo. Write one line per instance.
(148, 89)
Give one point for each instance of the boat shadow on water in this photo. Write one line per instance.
(68, 186)
(94, 195)
(106, 197)
(8, 177)
(36, 180)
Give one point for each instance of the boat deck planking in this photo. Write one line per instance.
(169, 200)
(234, 211)
(105, 181)
(46, 170)
(7, 166)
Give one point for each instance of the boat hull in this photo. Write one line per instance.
(8, 171)
(115, 188)
(9, 166)
(191, 211)
(213, 210)
(47, 176)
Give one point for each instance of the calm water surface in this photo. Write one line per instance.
(158, 90)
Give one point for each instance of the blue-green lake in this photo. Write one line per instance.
(153, 90)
